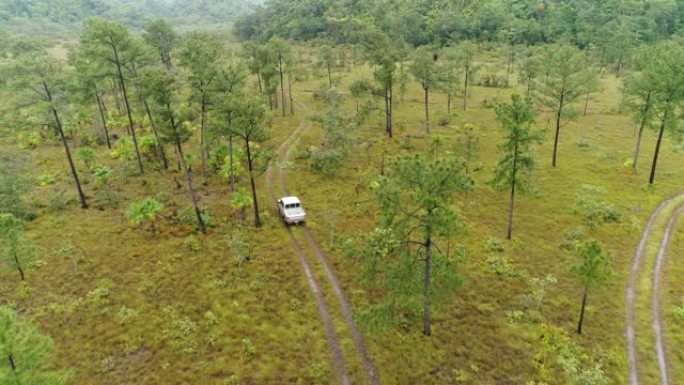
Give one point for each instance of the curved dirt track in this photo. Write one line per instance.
(630, 292)
(655, 299)
(283, 154)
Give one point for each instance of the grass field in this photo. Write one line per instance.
(128, 307)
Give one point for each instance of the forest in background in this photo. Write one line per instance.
(61, 18)
(437, 22)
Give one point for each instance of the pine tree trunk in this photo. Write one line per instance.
(282, 82)
(586, 104)
(329, 76)
(16, 261)
(511, 204)
(289, 89)
(58, 126)
(102, 117)
(427, 327)
(257, 219)
(427, 111)
(12, 364)
(193, 196)
(651, 180)
(619, 64)
(509, 68)
(115, 93)
(581, 319)
(131, 127)
(558, 121)
(160, 146)
(261, 89)
(203, 149)
(465, 88)
(389, 116)
(232, 164)
(449, 103)
(641, 131)
(387, 113)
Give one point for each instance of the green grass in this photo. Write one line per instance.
(265, 327)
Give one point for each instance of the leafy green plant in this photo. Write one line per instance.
(46, 178)
(102, 175)
(187, 216)
(146, 210)
(87, 156)
(241, 200)
(192, 243)
(123, 150)
(29, 140)
(148, 146)
(595, 210)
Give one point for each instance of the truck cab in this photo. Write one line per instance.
(290, 209)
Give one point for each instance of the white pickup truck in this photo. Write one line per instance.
(290, 209)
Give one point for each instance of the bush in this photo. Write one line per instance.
(572, 238)
(146, 210)
(13, 187)
(102, 174)
(86, 155)
(218, 157)
(326, 161)
(192, 243)
(595, 210)
(46, 178)
(147, 144)
(29, 140)
(490, 79)
(494, 245)
(188, 217)
(123, 149)
(584, 143)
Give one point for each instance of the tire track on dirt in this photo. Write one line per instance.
(655, 298)
(284, 153)
(337, 356)
(339, 294)
(630, 293)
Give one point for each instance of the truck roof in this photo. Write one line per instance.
(289, 200)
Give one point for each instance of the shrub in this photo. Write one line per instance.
(326, 160)
(572, 238)
(126, 315)
(188, 217)
(583, 143)
(192, 243)
(595, 210)
(46, 178)
(29, 140)
(123, 149)
(13, 187)
(86, 155)
(678, 313)
(219, 157)
(146, 210)
(148, 146)
(494, 245)
(102, 175)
